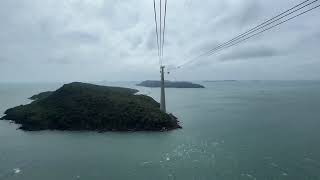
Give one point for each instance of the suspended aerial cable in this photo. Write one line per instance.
(268, 21)
(160, 27)
(156, 23)
(269, 28)
(255, 29)
(261, 27)
(160, 32)
(164, 26)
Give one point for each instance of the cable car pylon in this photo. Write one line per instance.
(163, 94)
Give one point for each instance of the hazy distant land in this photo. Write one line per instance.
(170, 84)
(219, 80)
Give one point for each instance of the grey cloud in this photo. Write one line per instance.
(250, 53)
(81, 37)
(240, 15)
(135, 41)
(151, 43)
(62, 61)
(248, 14)
(2, 59)
(108, 37)
(205, 46)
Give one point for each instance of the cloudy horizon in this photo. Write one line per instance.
(113, 40)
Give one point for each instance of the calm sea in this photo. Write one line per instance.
(243, 130)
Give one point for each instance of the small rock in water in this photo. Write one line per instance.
(168, 159)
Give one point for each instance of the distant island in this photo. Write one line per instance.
(170, 84)
(80, 106)
(219, 80)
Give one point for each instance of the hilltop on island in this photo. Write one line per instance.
(170, 84)
(41, 95)
(81, 106)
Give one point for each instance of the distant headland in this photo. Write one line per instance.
(80, 106)
(170, 84)
(219, 80)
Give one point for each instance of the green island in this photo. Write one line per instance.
(81, 106)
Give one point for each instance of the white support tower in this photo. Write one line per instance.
(163, 96)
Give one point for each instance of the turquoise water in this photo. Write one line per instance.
(231, 130)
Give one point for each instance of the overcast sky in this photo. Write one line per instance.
(114, 40)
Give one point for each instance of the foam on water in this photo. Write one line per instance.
(250, 176)
(17, 171)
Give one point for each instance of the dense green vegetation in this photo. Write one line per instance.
(170, 84)
(80, 106)
(41, 95)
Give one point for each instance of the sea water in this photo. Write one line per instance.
(231, 130)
